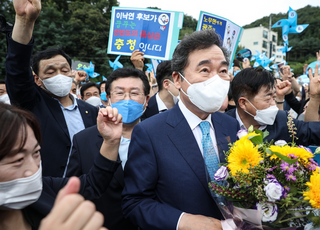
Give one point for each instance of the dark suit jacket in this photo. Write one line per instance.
(23, 92)
(307, 132)
(152, 108)
(86, 146)
(165, 174)
(91, 188)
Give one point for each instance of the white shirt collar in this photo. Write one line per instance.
(192, 119)
(261, 127)
(161, 105)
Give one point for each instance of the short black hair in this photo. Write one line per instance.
(2, 81)
(163, 72)
(103, 82)
(128, 72)
(86, 86)
(198, 40)
(47, 54)
(249, 81)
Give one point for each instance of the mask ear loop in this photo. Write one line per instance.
(252, 106)
(187, 82)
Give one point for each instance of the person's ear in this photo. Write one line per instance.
(37, 80)
(242, 103)
(165, 84)
(176, 79)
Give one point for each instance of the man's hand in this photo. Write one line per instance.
(318, 55)
(286, 73)
(71, 211)
(27, 11)
(80, 76)
(314, 82)
(198, 222)
(313, 106)
(137, 59)
(245, 63)
(282, 89)
(109, 124)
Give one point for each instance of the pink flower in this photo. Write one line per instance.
(290, 177)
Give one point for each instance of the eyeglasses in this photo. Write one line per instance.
(120, 95)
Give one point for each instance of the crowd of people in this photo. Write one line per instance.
(142, 149)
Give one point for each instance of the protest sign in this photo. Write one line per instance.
(229, 32)
(153, 32)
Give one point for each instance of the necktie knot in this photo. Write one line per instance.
(205, 127)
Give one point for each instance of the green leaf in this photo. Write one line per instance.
(282, 157)
(256, 139)
(265, 134)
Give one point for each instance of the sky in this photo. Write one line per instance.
(239, 12)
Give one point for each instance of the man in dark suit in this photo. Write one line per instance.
(256, 96)
(168, 169)
(86, 144)
(46, 93)
(167, 95)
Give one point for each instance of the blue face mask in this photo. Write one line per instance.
(103, 96)
(129, 109)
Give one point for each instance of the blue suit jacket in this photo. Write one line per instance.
(86, 147)
(307, 132)
(152, 108)
(24, 93)
(165, 173)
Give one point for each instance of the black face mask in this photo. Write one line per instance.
(230, 107)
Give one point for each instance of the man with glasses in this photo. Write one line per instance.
(127, 90)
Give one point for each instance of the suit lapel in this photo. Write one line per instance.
(183, 139)
(85, 114)
(56, 112)
(221, 136)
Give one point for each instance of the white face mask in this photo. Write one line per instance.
(5, 99)
(59, 85)
(20, 193)
(208, 95)
(175, 99)
(265, 116)
(95, 101)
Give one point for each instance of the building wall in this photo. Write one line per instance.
(257, 39)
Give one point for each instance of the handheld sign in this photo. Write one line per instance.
(242, 54)
(229, 32)
(153, 32)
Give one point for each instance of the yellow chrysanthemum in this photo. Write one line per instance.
(313, 195)
(303, 154)
(242, 155)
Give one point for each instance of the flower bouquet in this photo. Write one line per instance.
(266, 185)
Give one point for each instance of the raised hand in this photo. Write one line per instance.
(71, 211)
(137, 59)
(286, 73)
(27, 10)
(314, 82)
(109, 124)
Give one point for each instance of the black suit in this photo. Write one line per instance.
(91, 188)
(23, 92)
(86, 146)
(152, 108)
(307, 132)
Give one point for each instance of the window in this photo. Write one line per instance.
(264, 44)
(279, 56)
(274, 38)
(265, 34)
(255, 43)
(274, 48)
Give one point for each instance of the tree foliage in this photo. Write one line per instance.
(305, 44)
